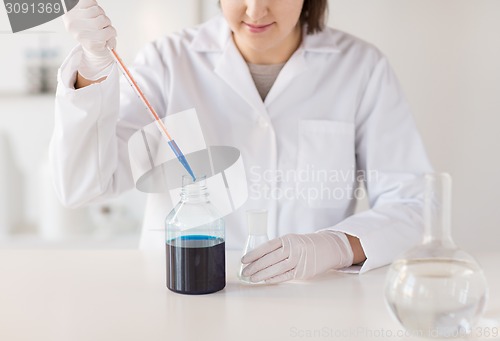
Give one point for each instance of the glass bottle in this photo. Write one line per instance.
(257, 235)
(436, 289)
(195, 242)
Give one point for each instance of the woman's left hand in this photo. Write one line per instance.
(298, 256)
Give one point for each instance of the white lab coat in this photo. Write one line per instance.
(335, 109)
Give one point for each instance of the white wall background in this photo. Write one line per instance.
(446, 54)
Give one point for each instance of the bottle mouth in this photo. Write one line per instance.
(193, 189)
(187, 180)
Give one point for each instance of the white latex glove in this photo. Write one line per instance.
(298, 256)
(90, 26)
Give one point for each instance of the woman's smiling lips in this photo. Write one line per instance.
(258, 28)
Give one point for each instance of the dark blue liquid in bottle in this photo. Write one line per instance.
(194, 242)
(196, 264)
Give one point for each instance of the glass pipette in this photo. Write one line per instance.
(175, 148)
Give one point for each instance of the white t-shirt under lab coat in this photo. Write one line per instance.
(335, 114)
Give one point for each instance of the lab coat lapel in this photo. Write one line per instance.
(233, 69)
(295, 66)
(312, 45)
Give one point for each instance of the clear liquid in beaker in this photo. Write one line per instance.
(436, 298)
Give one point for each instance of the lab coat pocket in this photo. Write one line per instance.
(326, 163)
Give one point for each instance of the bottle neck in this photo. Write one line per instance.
(437, 210)
(194, 193)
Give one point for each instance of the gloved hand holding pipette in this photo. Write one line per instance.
(295, 256)
(90, 26)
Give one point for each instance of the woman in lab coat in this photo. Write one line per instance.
(314, 111)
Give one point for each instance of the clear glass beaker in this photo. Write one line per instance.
(436, 289)
(195, 242)
(257, 235)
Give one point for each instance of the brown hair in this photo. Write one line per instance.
(314, 15)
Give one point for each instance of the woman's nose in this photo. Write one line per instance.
(257, 9)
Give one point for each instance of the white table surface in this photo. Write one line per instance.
(121, 295)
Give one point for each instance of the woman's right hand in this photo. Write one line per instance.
(90, 26)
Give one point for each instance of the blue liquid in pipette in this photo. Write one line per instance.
(181, 158)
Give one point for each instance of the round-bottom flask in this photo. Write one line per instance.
(257, 235)
(436, 290)
(195, 242)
